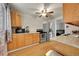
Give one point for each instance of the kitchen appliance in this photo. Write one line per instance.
(59, 32)
(45, 32)
(20, 30)
(42, 35)
(46, 29)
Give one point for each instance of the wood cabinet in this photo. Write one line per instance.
(15, 18)
(71, 13)
(17, 42)
(12, 44)
(28, 39)
(36, 37)
(32, 38)
(21, 40)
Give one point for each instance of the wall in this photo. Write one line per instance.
(34, 22)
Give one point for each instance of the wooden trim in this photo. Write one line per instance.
(22, 48)
(72, 24)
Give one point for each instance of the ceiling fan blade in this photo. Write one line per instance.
(37, 12)
(40, 16)
(46, 15)
(51, 12)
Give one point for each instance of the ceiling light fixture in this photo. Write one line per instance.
(45, 12)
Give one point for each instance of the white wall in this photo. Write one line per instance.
(34, 22)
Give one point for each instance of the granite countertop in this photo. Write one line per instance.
(70, 40)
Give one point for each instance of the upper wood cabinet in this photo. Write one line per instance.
(71, 13)
(15, 18)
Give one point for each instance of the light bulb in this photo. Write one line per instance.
(43, 14)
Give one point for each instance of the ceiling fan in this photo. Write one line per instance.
(44, 12)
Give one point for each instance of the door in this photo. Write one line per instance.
(28, 39)
(12, 44)
(36, 37)
(16, 18)
(20, 40)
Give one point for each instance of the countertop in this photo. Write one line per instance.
(69, 40)
(25, 33)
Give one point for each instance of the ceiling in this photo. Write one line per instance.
(30, 8)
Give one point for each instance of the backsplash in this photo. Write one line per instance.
(69, 28)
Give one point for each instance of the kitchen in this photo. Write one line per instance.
(30, 30)
(58, 28)
(25, 27)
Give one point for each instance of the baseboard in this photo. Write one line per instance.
(22, 48)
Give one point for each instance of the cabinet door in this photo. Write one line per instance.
(71, 13)
(28, 39)
(18, 19)
(36, 37)
(12, 44)
(20, 40)
(13, 17)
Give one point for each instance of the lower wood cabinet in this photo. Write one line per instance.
(36, 37)
(12, 45)
(28, 39)
(20, 40)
